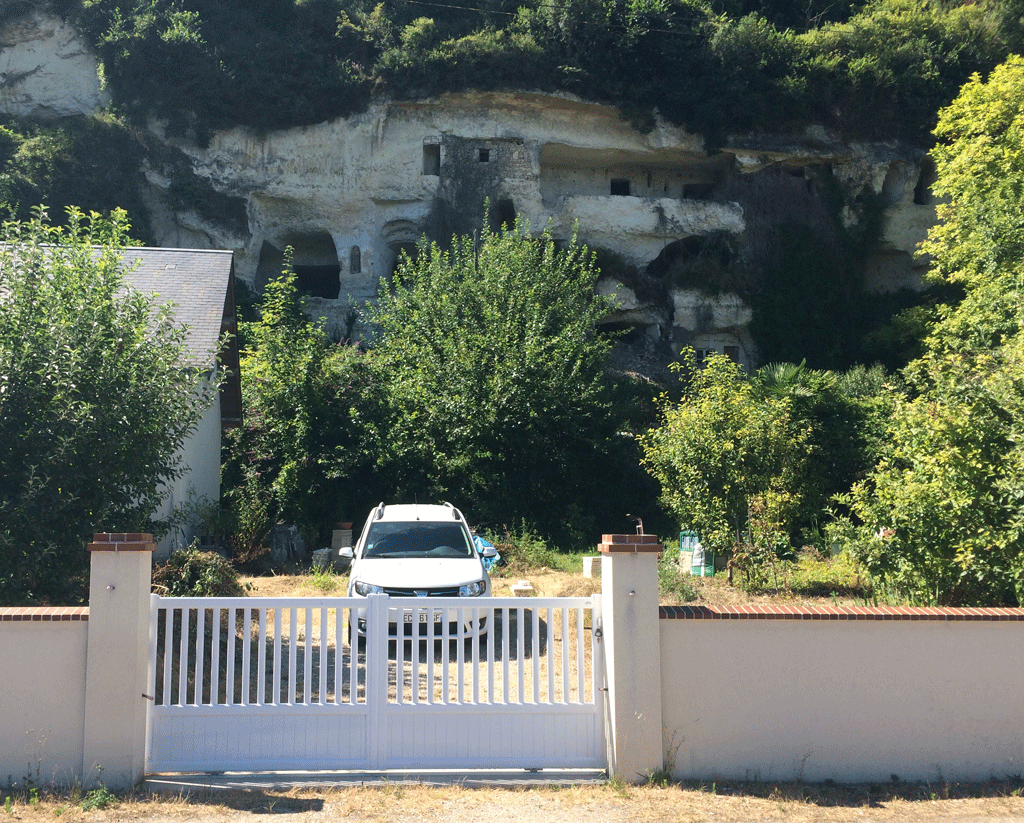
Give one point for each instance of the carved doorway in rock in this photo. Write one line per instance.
(314, 258)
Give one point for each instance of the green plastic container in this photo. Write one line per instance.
(702, 563)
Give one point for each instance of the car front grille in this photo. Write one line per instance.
(446, 592)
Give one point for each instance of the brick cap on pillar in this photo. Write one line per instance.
(631, 543)
(121, 542)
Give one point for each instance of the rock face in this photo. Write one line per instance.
(351, 195)
(46, 70)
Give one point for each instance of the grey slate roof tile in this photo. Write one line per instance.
(195, 281)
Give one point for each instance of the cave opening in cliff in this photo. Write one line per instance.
(625, 333)
(432, 159)
(927, 178)
(503, 215)
(314, 259)
(696, 260)
(402, 251)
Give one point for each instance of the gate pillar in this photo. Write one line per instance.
(629, 573)
(117, 660)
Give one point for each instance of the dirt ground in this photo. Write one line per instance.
(546, 583)
(609, 803)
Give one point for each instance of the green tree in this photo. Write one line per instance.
(841, 413)
(495, 378)
(939, 519)
(305, 452)
(729, 460)
(94, 401)
(941, 513)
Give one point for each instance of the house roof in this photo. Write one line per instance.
(199, 283)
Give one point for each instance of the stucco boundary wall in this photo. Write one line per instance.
(751, 692)
(72, 704)
(847, 694)
(42, 694)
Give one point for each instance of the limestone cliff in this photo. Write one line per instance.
(350, 195)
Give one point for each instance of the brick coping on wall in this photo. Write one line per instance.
(44, 614)
(771, 612)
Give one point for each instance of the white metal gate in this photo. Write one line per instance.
(269, 684)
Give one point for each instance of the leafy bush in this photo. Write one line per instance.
(94, 402)
(675, 584)
(97, 799)
(523, 551)
(91, 162)
(311, 420)
(192, 573)
(723, 452)
(324, 580)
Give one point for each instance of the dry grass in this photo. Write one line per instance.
(606, 803)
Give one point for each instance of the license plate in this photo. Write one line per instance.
(424, 617)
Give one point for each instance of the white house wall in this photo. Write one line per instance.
(201, 480)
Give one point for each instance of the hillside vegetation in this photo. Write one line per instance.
(881, 68)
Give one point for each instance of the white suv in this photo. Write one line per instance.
(416, 550)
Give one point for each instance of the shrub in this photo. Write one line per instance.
(193, 573)
(674, 583)
(522, 551)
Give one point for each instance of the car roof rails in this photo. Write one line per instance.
(379, 513)
(455, 512)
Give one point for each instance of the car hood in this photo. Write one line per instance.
(418, 572)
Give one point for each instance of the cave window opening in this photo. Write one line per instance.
(314, 260)
(923, 189)
(697, 191)
(503, 215)
(318, 281)
(700, 355)
(620, 187)
(484, 155)
(625, 333)
(355, 260)
(401, 251)
(432, 159)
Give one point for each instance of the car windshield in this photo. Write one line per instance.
(417, 540)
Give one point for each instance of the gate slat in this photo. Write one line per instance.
(261, 662)
(183, 661)
(276, 697)
(246, 682)
(215, 658)
(293, 631)
(535, 650)
(307, 658)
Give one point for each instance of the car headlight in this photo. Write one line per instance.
(364, 589)
(473, 589)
